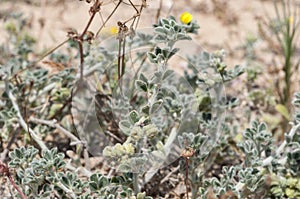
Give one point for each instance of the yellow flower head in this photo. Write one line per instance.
(114, 30)
(291, 20)
(129, 149)
(186, 17)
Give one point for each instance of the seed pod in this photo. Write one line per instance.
(188, 152)
(136, 133)
(72, 33)
(89, 36)
(150, 130)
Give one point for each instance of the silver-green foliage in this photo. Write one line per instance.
(46, 173)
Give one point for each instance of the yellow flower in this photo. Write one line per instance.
(186, 17)
(291, 20)
(129, 149)
(114, 30)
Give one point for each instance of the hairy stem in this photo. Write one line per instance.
(136, 183)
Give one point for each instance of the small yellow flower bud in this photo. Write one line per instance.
(291, 20)
(129, 149)
(114, 30)
(136, 133)
(150, 130)
(141, 195)
(107, 151)
(118, 150)
(186, 17)
(160, 146)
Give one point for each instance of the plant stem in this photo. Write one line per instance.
(159, 10)
(94, 9)
(280, 149)
(136, 183)
(53, 123)
(11, 180)
(187, 177)
(287, 65)
(81, 59)
(5, 171)
(67, 190)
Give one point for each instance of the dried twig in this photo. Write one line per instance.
(53, 123)
(93, 10)
(159, 10)
(166, 178)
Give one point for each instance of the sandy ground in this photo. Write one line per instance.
(224, 24)
(226, 29)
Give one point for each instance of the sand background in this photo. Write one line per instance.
(224, 27)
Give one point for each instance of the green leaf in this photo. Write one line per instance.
(143, 78)
(145, 110)
(141, 84)
(134, 116)
(173, 52)
(152, 57)
(156, 105)
(160, 30)
(182, 36)
(124, 168)
(167, 74)
(125, 125)
(262, 127)
(283, 111)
